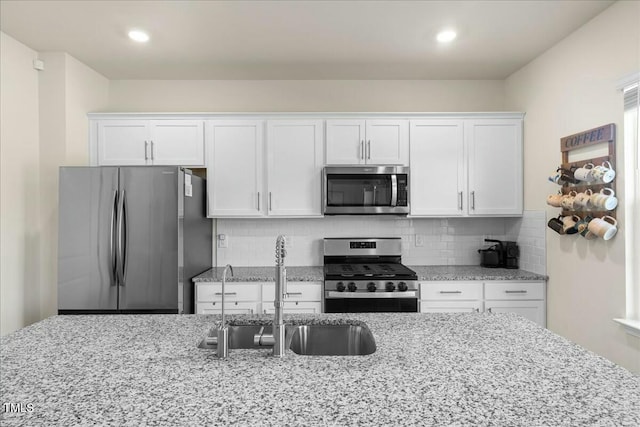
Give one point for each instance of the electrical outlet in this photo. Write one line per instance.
(419, 240)
(223, 241)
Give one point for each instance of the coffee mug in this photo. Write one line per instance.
(555, 200)
(584, 173)
(604, 172)
(605, 199)
(567, 201)
(605, 227)
(583, 224)
(584, 229)
(556, 225)
(555, 178)
(569, 224)
(566, 176)
(583, 200)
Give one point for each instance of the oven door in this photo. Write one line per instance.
(370, 305)
(360, 190)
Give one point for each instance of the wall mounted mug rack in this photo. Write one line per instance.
(587, 186)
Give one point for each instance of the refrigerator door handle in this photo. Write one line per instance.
(122, 240)
(113, 273)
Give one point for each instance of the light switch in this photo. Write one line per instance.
(419, 240)
(223, 242)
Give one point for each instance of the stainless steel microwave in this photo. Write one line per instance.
(366, 190)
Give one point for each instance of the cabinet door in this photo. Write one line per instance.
(495, 166)
(345, 142)
(387, 142)
(437, 168)
(450, 306)
(123, 143)
(294, 167)
(229, 308)
(293, 307)
(234, 168)
(177, 142)
(532, 310)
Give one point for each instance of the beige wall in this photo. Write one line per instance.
(568, 89)
(44, 126)
(306, 95)
(68, 90)
(19, 187)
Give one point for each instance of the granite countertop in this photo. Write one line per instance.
(425, 272)
(428, 369)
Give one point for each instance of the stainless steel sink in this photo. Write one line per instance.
(332, 340)
(240, 336)
(308, 340)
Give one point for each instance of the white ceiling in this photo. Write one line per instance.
(297, 39)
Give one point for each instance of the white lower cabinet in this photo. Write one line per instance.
(525, 298)
(302, 297)
(257, 297)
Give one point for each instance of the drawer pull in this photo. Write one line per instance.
(289, 294)
(515, 292)
(450, 292)
(226, 293)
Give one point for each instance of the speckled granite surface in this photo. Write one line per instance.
(262, 274)
(472, 272)
(429, 369)
(316, 274)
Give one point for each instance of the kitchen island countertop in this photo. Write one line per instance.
(428, 369)
(424, 272)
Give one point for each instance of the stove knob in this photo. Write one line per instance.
(402, 287)
(352, 287)
(371, 287)
(340, 287)
(390, 287)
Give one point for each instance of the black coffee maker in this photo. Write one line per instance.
(502, 255)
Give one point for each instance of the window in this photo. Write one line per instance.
(631, 92)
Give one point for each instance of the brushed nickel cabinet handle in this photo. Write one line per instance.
(258, 200)
(460, 200)
(226, 293)
(473, 200)
(146, 156)
(369, 147)
(151, 150)
(270, 204)
(450, 292)
(516, 292)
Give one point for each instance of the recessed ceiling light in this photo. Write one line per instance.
(139, 36)
(446, 36)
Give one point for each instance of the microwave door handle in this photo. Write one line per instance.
(394, 190)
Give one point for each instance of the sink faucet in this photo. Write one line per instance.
(223, 331)
(281, 293)
(277, 338)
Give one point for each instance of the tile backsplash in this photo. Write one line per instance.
(450, 241)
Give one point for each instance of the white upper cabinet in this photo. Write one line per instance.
(345, 142)
(234, 168)
(177, 142)
(495, 166)
(150, 142)
(123, 142)
(437, 168)
(466, 167)
(375, 142)
(294, 167)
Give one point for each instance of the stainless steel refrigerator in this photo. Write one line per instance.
(130, 239)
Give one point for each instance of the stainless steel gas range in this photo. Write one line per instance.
(366, 275)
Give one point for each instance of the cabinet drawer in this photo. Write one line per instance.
(215, 307)
(233, 291)
(304, 307)
(513, 290)
(297, 291)
(451, 291)
(450, 306)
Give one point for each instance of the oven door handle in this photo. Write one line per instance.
(363, 295)
(394, 190)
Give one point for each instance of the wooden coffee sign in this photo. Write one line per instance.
(606, 133)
